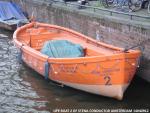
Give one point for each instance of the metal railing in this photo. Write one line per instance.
(94, 9)
(111, 12)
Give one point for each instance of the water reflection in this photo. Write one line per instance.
(16, 95)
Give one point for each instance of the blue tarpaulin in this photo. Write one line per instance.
(10, 10)
(62, 49)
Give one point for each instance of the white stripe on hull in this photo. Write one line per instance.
(115, 91)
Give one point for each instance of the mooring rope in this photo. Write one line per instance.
(20, 54)
(137, 45)
(47, 67)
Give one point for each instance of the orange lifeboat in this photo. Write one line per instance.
(104, 70)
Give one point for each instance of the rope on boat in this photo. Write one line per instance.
(19, 57)
(19, 24)
(46, 72)
(137, 45)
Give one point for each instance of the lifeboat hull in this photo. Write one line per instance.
(105, 70)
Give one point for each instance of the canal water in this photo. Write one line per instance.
(22, 90)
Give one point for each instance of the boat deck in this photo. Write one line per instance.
(92, 49)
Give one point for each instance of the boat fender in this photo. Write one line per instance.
(19, 57)
(46, 73)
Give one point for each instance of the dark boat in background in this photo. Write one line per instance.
(10, 15)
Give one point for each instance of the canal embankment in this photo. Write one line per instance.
(116, 30)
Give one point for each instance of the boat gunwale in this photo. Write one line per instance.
(120, 54)
(79, 34)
